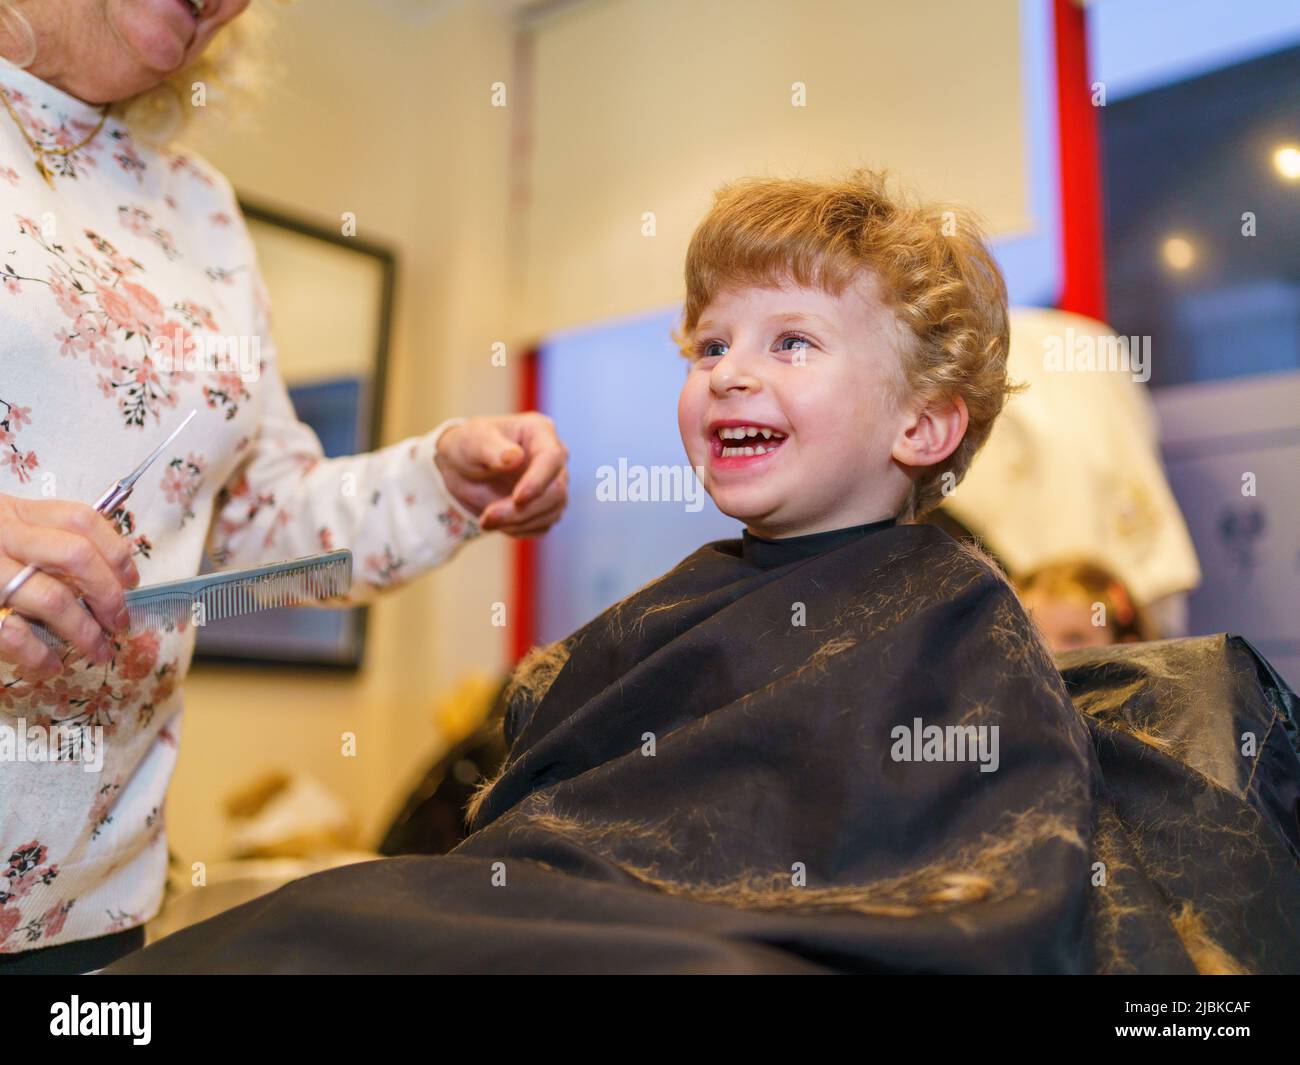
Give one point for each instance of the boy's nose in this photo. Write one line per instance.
(732, 375)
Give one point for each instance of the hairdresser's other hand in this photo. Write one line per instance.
(79, 554)
(510, 471)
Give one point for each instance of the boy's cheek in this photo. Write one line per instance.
(690, 412)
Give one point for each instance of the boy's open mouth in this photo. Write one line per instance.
(741, 440)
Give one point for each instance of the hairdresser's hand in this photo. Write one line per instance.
(509, 471)
(79, 554)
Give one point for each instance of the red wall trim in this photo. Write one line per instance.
(1083, 288)
(523, 633)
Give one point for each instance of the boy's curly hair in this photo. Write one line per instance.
(933, 268)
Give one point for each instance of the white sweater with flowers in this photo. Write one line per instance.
(132, 245)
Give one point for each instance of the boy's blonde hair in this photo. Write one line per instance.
(933, 269)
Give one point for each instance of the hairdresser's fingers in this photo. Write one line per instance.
(48, 600)
(506, 513)
(547, 456)
(479, 449)
(528, 532)
(22, 650)
(80, 519)
(74, 560)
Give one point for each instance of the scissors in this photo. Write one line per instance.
(113, 496)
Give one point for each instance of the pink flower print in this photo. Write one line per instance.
(197, 313)
(68, 342)
(92, 340)
(60, 697)
(27, 227)
(20, 886)
(386, 568)
(69, 299)
(13, 286)
(281, 521)
(164, 688)
(9, 174)
(9, 920)
(135, 220)
(19, 694)
(178, 343)
(99, 705)
(54, 918)
(119, 309)
(99, 814)
(129, 159)
(181, 162)
(181, 481)
(454, 522)
(145, 374)
(140, 657)
(220, 218)
(227, 391)
(19, 416)
(21, 465)
(145, 305)
(141, 223)
(121, 264)
(25, 870)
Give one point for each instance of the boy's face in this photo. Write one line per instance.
(820, 373)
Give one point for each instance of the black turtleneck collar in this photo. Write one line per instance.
(767, 554)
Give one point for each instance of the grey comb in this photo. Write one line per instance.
(231, 593)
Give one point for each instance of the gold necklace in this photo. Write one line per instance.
(41, 151)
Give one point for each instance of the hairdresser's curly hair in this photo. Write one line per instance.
(935, 273)
(231, 69)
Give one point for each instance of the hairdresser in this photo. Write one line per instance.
(118, 250)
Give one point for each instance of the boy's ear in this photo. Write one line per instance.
(932, 431)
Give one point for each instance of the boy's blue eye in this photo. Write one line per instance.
(801, 341)
(707, 351)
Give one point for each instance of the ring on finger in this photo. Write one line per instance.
(15, 582)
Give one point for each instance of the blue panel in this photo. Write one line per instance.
(612, 391)
(1138, 45)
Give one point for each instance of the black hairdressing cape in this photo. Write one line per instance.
(721, 774)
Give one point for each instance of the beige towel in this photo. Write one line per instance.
(1072, 467)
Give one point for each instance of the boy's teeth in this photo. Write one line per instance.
(743, 432)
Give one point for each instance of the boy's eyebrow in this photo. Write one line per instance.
(803, 316)
(789, 317)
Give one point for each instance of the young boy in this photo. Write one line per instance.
(835, 743)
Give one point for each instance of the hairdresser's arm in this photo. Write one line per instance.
(391, 507)
(286, 499)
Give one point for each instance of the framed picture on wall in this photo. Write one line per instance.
(331, 299)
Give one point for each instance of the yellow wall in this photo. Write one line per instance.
(388, 114)
(648, 105)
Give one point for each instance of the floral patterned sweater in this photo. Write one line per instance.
(129, 246)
